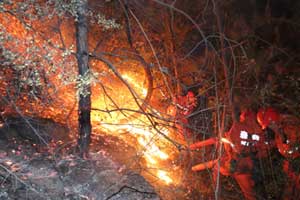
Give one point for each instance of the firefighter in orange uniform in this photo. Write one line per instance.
(245, 146)
(248, 141)
(287, 138)
(184, 106)
(241, 157)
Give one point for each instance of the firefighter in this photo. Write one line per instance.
(248, 141)
(245, 146)
(240, 159)
(287, 138)
(181, 108)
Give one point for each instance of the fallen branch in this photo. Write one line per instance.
(130, 188)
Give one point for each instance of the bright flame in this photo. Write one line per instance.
(163, 176)
(149, 146)
(150, 142)
(135, 84)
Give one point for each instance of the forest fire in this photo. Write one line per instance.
(192, 98)
(126, 118)
(112, 101)
(150, 142)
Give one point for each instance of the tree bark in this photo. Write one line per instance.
(84, 109)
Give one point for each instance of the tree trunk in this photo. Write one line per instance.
(84, 109)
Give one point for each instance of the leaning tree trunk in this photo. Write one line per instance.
(84, 109)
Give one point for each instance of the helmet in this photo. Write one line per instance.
(247, 115)
(190, 94)
(265, 116)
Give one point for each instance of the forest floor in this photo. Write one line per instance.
(31, 170)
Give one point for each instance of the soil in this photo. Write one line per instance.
(32, 170)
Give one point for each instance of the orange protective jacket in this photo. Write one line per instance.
(249, 142)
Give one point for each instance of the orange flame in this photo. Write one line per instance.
(150, 142)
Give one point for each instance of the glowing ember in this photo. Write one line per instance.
(8, 162)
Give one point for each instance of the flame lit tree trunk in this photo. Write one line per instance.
(84, 109)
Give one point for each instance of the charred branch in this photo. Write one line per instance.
(125, 187)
